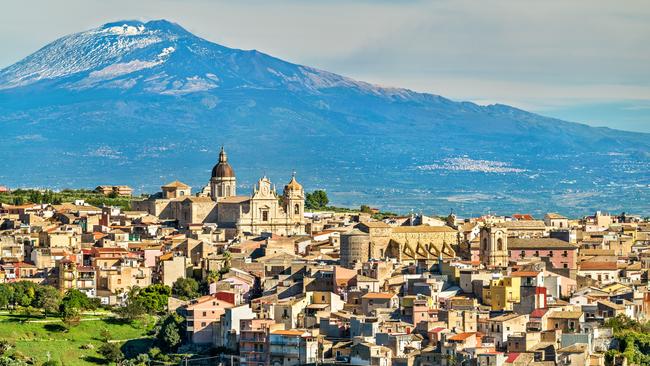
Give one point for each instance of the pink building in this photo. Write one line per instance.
(560, 253)
(150, 256)
(201, 315)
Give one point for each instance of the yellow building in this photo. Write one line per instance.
(502, 293)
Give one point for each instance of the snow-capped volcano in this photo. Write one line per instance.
(140, 103)
(155, 57)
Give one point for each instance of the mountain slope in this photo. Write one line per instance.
(141, 103)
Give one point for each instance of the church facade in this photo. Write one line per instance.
(263, 212)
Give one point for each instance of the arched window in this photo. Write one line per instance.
(296, 209)
(227, 191)
(499, 244)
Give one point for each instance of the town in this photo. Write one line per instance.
(278, 277)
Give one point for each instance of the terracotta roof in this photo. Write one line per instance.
(599, 266)
(461, 336)
(378, 295)
(512, 357)
(538, 313)
(524, 274)
(288, 332)
(523, 217)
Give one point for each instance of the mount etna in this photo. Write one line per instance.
(146, 103)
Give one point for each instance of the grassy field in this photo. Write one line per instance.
(40, 338)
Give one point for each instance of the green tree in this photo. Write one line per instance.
(6, 295)
(154, 297)
(185, 288)
(71, 306)
(76, 299)
(71, 316)
(47, 299)
(133, 308)
(111, 352)
(365, 209)
(168, 337)
(316, 200)
(24, 293)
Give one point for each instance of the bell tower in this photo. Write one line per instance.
(494, 246)
(223, 182)
(294, 199)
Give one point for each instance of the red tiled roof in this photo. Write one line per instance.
(538, 313)
(512, 357)
(523, 217)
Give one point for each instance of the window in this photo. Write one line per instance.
(205, 313)
(322, 298)
(499, 244)
(550, 254)
(296, 209)
(265, 215)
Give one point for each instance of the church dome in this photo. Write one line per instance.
(223, 169)
(293, 185)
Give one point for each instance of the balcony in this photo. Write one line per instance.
(252, 350)
(252, 339)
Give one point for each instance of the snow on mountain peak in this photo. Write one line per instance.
(124, 30)
(126, 54)
(91, 51)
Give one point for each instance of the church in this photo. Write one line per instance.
(264, 212)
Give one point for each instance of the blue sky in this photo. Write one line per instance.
(583, 60)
